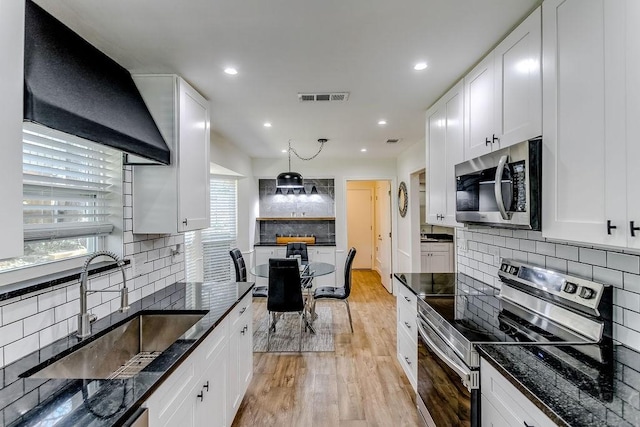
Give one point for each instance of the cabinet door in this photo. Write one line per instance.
(632, 19)
(262, 255)
(424, 262)
(584, 153)
(479, 118)
(328, 255)
(491, 417)
(436, 163)
(193, 160)
(185, 414)
(211, 409)
(246, 351)
(11, 87)
(454, 149)
(519, 83)
(439, 262)
(234, 390)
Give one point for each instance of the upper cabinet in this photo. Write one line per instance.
(444, 136)
(175, 198)
(591, 109)
(503, 96)
(11, 86)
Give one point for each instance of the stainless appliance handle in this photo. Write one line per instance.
(462, 372)
(498, 187)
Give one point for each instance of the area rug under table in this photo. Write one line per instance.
(285, 339)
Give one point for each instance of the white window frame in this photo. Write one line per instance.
(113, 241)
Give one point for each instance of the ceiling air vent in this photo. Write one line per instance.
(393, 140)
(323, 96)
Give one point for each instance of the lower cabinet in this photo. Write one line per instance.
(407, 333)
(324, 254)
(207, 388)
(436, 257)
(504, 405)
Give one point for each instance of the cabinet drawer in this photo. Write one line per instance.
(217, 339)
(514, 406)
(408, 357)
(435, 247)
(408, 296)
(407, 319)
(240, 309)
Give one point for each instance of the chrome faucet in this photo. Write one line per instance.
(85, 319)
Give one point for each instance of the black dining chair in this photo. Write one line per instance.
(338, 292)
(300, 248)
(284, 293)
(241, 272)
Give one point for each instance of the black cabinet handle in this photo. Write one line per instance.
(243, 310)
(200, 396)
(610, 227)
(408, 299)
(486, 141)
(185, 221)
(633, 229)
(528, 425)
(206, 386)
(407, 324)
(495, 139)
(407, 360)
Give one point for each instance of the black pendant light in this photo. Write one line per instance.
(294, 179)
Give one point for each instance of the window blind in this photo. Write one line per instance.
(68, 187)
(211, 246)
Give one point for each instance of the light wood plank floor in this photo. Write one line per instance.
(360, 384)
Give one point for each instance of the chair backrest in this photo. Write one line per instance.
(298, 248)
(238, 263)
(285, 291)
(347, 271)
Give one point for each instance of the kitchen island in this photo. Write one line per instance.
(110, 402)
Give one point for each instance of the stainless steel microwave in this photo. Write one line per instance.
(502, 188)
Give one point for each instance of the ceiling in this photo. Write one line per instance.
(283, 47)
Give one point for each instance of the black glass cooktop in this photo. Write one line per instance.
(429, 283)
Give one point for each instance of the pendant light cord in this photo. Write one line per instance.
(322, 141)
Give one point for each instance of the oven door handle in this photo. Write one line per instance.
(463, 373)
(498, 187)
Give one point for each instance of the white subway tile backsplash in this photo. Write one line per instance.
(624, 262)
(527, 245)
(556, 264)
(10, 333)
(631, 282)
(20, 348)
(19, 310)
(593, 257)
(607, 276)
(51, 299)
(512, 243)
(580, 270)
(53, 332)
(536, 259)
(544, 248)
(567, 252)
(628, 300)
(39, 321)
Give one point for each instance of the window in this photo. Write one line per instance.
(71, 197)
(207, 251)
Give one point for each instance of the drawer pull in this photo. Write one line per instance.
(200, 396)
(407, 360)
(407, 325)
(206, 386)
(408, 299)
(243, 310)
(528, 425)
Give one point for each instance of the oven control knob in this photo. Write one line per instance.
(586, 293)
(504, 267)
(513, 270)
(571, 288)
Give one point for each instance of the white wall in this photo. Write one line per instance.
(410, 161)
(341, 170)
(225, 154)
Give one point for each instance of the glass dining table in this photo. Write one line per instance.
(307, 271)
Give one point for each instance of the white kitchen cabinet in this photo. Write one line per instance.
(436, 257)
(324, 254)
(503, 95)
(207, 388)
(11, 87)
(591, 106)
(504, 405)
(240, 365)
(407, 332)
(174, 198)
(445, 139)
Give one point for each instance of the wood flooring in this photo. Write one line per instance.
(360, 384)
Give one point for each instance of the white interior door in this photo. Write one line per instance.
(383, 230)
(360, 225)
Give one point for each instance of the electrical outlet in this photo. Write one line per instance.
(462, 245)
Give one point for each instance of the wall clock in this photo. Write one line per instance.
(403, 199)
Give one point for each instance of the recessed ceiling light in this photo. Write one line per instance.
(231, 70)
(420, 66)
(284, 151)
(364, 150)
(267, 125)
(382, 122)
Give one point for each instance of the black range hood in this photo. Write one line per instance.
(71, 86)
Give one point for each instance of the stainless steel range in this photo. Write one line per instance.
(561, 318)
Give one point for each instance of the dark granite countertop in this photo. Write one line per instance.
(610, 398)
(284, 244)
(423, 284)
(37, 402)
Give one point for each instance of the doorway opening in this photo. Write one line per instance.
(369, 226)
